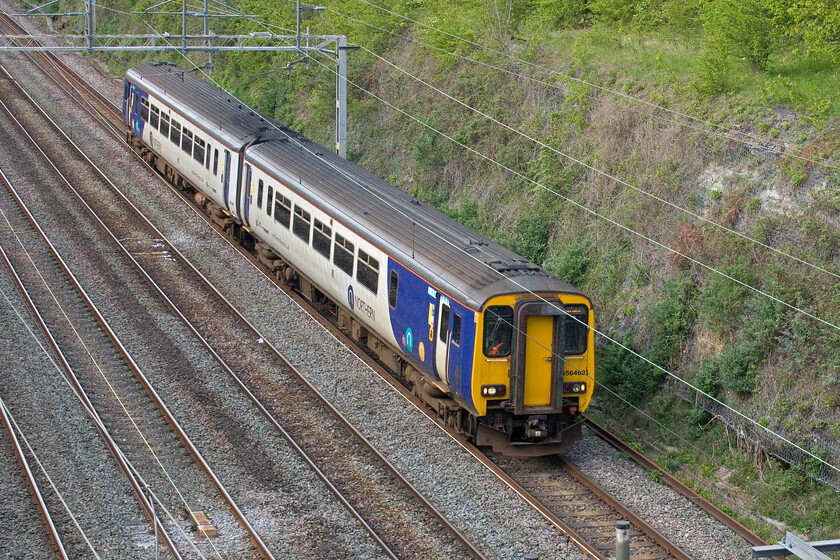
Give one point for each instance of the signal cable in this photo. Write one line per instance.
(100, 370)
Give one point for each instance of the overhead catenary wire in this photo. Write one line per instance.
(594, 169)
(829, 163)
(467, 255)
(603, 335)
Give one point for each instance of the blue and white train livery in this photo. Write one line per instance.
(499, 347)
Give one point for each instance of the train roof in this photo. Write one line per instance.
(459, 261)
(224, 117)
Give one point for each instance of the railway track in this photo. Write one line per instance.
(37, 502)
(163, 466)
(402, 522)
(537, 483)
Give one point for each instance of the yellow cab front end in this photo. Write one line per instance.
(534, 370)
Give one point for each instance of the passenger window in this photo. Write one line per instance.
(207, 159)
(216, 161)
(498, 331)
(302, 223)
(144, 109)
(343, 254)
(367, 272)
(260, 186)
(164, 125)
(154, 121)
(577, 329)
(175, 132)
(187, 142)
(456, 330)
(282, 210)
(198, 150)
(322, 238)
(393, 289)
(269, 199)
(443, 326)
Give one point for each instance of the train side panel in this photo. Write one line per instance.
(209, 165)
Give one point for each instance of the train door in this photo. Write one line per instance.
(133, 109)
(453, 360)
(538, 360)
(443, 335)
(226, 178)
(126, 94)
(537, 356)
(247, 192)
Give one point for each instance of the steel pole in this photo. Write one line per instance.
(341, 97)
(622, 540)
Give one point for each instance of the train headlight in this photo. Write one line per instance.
(574, 387)
(493, 390)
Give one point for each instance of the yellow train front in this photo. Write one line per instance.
(533, 371)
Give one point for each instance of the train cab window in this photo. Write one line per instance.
(393, 289)
(343, 254)
(216, 161)
(144, 109)
(498, 331)
(302, 223)
(367, 272)
(154, 119)
(577, 329)
(198, 150)
(164, 125)
(207, 159)
(456, 330)
(175, 132)
(322, 238)
(260, 186)
(187, 142)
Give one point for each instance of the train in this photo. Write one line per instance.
(501, 349)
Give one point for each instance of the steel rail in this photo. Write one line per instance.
(30, 480)
(677, 485)
(137, 487)
(129, 360)
(473, 550)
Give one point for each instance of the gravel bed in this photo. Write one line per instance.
(240, 444)
(689, 527)
(21, 526)
(483, 508)
(70, 449)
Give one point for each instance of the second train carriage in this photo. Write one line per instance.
(502, 349)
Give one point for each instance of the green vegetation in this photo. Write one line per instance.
(758, 75)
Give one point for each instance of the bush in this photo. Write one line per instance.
(531, 238)
(629, 376)
(562, 13)
(742, 28)
(708, 378)
(671, 316)
(572, 265)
